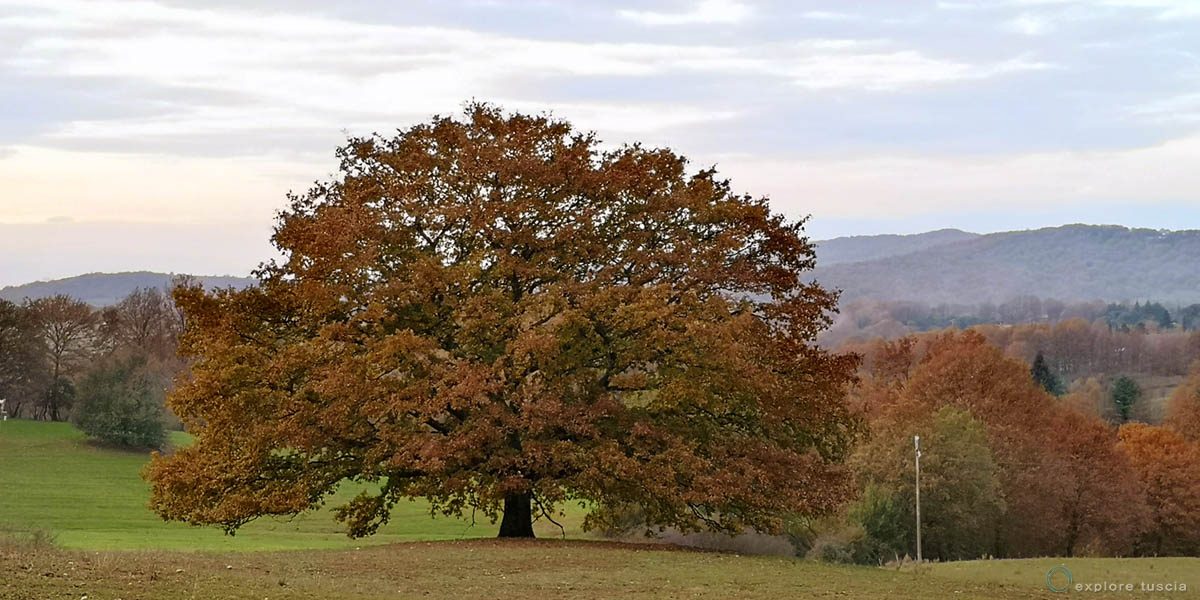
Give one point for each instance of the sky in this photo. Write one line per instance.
(164, 135)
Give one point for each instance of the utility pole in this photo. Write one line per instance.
(917, 448)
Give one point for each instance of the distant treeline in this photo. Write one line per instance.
(108, 369)
(1076, 349)
(863, 320)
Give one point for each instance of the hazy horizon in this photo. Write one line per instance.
(187, 246)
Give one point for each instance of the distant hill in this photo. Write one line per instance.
(870, 247)
(1074, 262)
(1069, 263)
(103, 289)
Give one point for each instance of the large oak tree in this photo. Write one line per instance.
(495, 314)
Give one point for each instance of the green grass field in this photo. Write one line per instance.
(105, 544)
(1084, 571)
(88, 497)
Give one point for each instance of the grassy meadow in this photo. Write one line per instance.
(86, 497)
(1084, 571)
(513, 569)
(472, 569)
(74, 524)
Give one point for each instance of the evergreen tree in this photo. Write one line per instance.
(1045, 377)
(1125, 393)
(1159, 314)
(1189, 317)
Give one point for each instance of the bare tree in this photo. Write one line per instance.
(68, 328)
(18, 356)
(144, 322)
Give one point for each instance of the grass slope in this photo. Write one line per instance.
(94, 498)
(1084, 571)
(472, 569)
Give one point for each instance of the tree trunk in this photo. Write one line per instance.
(518, 516)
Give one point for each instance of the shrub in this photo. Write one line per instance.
(121, 402)
(849, 545)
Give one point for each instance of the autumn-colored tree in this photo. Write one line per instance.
(68, 334)
(1169, 469)
(1090, 397)
(1057, 467)
(886, 368)
(1183, 407)
(1100, 505)
(493, 313)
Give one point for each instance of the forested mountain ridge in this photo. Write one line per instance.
(103, 289)
(860, 248)
(1073, 262)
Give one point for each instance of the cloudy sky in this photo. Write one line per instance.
(163, 135)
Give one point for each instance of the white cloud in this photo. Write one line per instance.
(1029, 24)
(704, 12)
(884, 71)
(1166, 10)
(829, 15)
(297, 73)
(316, 75)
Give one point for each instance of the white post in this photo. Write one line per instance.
(917, 448)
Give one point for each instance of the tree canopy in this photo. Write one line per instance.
(960, 482)
(1169, 468)
(495, 314)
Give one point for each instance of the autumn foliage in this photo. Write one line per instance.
(1169, 469)
(1063, 487)
(1183, 408)
(496, 315)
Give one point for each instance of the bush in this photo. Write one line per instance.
(121, 402)
(849, 545)
(886, 523)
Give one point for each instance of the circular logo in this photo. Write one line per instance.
(1059, 579)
